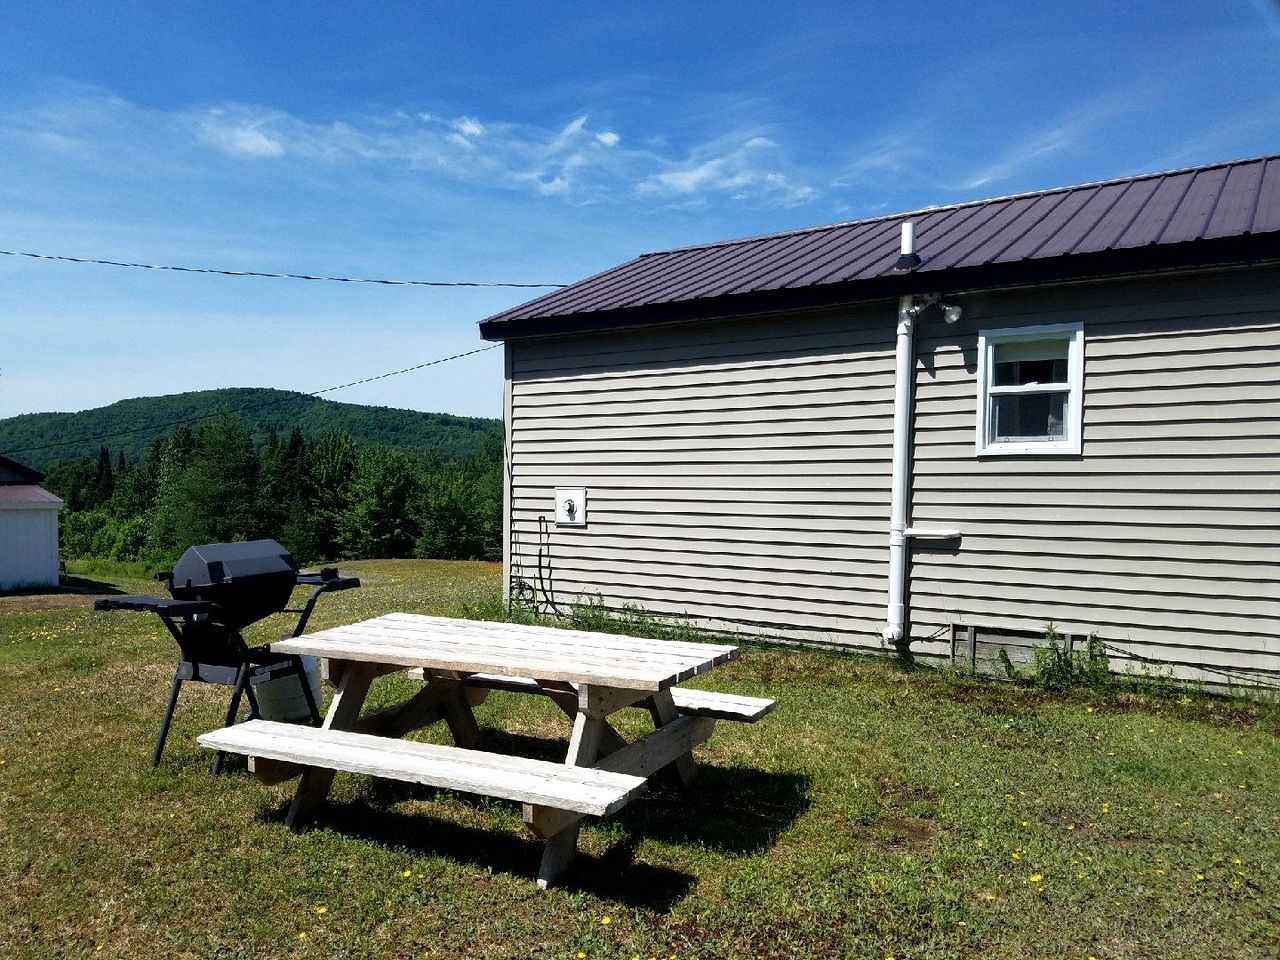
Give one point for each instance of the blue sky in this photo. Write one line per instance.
(535, 142)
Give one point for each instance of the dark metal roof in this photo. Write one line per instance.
(1216, 214)
(12, 473)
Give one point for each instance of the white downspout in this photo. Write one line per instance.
(896, 614)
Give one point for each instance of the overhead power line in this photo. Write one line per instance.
(170, 424)
(276, 276)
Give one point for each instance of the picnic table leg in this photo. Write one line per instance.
(663, 710)
(344, 711)
(584, 748)
(460, 717)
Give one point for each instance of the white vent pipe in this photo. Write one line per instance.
(900, 534)
(896, 612)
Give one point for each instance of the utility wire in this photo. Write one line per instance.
(278, 276)
(250, 406)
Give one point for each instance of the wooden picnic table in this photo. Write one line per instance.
(590, 676)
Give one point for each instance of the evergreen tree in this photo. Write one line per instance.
(215, 498)
(330, 467)
(104, 481)
(72, 481)
(175, 453)
(134, 497)
(378, 520)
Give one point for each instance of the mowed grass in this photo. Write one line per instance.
(876, 813)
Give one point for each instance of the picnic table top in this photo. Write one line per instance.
(545, 653)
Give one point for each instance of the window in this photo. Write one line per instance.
(1030, 390)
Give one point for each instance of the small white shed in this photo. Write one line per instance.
(28, 528)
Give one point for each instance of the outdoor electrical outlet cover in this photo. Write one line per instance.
(571, 506)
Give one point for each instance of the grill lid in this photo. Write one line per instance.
(213, 563)
(248, 580)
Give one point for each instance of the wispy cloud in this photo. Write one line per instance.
(742, 171)
(576, 161)
(238, 135)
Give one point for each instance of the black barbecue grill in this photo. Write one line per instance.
(217, 590)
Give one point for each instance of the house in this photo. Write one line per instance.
(924, 429)
(28, 528)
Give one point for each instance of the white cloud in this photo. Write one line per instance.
(469, 127)
(572, 162)
(738, 170)
(240, 131)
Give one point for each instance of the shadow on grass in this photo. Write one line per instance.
(70, 586)
(733, 810)
(736, 810)
(614, 875)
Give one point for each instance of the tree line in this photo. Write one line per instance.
(325, 500)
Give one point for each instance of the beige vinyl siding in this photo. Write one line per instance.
(736, 472)
(1162, 536)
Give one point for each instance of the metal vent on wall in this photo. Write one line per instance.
(977, 648)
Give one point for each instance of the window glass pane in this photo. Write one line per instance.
(1028, 416)
(1018, 364)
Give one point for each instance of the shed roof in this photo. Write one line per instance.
(1198, 216)
(27, 496)
(13, 472)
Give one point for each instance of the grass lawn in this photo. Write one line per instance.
(877, 813)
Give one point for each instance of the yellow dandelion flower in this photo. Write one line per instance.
(407, 873)
(606, 920)
(1025, 824)
(1071, 826)
(581, 955)
(1199, 876)
(322, 910)
(1035, 878)
(1088, 709)
(302, 934)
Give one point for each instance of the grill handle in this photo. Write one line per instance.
(326, 581)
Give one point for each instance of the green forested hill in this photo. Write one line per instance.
(131, 425)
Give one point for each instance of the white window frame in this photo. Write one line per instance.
(988, 340)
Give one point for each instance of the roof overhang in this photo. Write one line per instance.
(1220, 252)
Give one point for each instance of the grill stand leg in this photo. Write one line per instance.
(168, 717)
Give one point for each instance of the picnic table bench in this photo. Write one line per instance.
(589, 676)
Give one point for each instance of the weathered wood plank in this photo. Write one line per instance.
(688, 701)
(344, 711)
(663, 711)
(582, 789)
